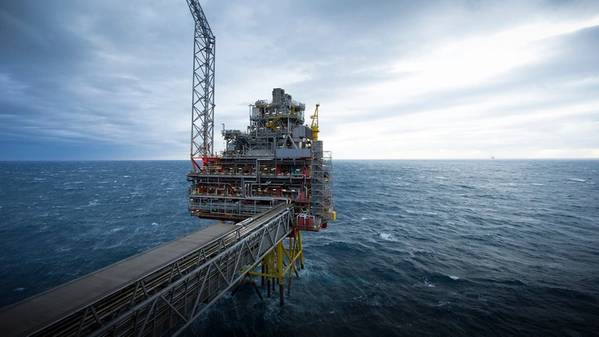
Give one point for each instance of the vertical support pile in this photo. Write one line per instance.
(280, 264)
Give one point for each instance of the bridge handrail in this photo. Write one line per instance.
(273, 230)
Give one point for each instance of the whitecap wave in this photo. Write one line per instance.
(386, 236)
(428, 284)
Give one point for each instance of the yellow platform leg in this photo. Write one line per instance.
(280, 263)
(281, 273)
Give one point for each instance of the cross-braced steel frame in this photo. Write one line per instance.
(279, 265)
(202, 96)
(167, 300)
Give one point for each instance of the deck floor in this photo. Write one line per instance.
(31, 314)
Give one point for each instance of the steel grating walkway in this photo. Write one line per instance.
(155, 293)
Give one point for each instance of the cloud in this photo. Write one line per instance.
(395, 79)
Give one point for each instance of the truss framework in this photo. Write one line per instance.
(280, 264)
(202, 95)
(166, 301)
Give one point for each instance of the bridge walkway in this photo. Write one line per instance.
(161, 290)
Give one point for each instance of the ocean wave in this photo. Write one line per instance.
(387, 236)
(428, 284)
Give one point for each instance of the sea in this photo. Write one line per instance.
(419, 248)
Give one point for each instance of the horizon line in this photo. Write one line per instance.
(335, 159)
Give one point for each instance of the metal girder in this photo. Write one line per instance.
(174, 294)
(202, 96)
(176, 306)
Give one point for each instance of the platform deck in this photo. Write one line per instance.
(29, 315)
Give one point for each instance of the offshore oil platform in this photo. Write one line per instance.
(277, 160)
(270, 183)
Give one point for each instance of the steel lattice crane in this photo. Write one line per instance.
(202, 110)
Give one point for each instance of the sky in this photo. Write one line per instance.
(107, 79)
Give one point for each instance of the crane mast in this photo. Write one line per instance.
(202, 109)
(314, 125)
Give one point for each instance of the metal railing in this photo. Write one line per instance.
(166, 301)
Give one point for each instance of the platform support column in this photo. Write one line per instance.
(268, 270)
(281, 273)
(300, 248)
(280, 264)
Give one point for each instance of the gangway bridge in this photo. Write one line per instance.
(161, 291)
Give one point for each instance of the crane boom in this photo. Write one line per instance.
(202, 108)
(314, 125)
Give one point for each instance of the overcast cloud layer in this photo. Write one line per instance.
(395, 79)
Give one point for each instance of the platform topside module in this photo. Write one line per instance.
(276, 160)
